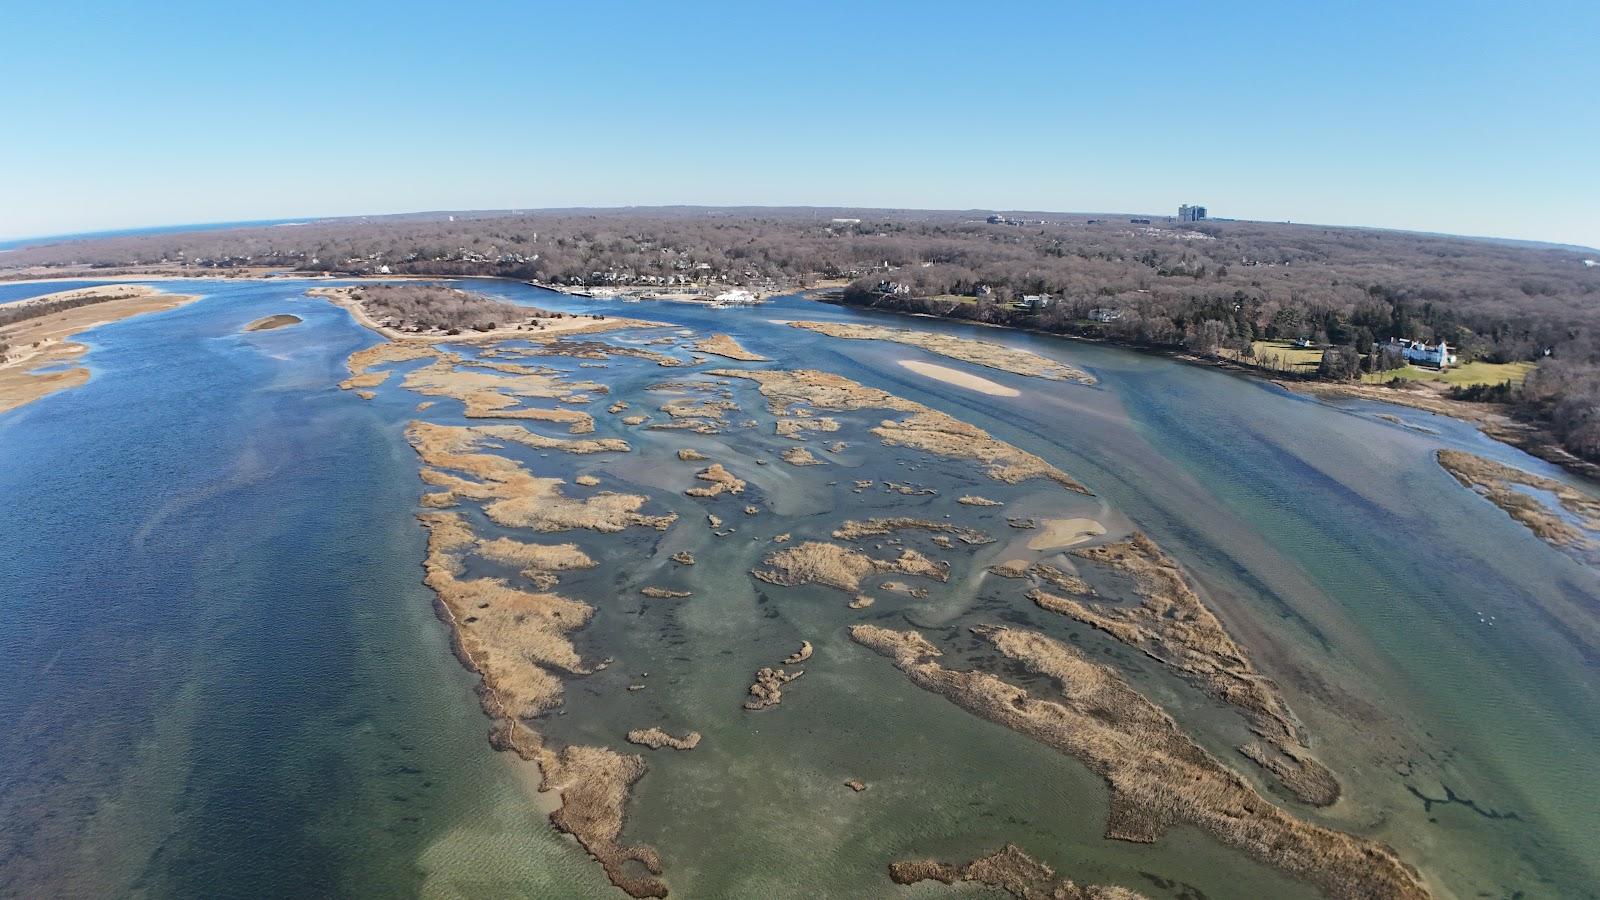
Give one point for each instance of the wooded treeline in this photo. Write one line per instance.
(421, 307)
(1204, 286)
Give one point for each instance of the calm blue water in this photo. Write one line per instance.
(24, 290)
(135, 232)
(220, 670)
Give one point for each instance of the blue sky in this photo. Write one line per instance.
(1472, 118)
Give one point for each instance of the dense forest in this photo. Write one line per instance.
(1202, 286)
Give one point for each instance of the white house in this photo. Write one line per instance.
(1438, 355)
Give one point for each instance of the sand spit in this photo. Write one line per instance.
(855, 530)
(281, 320)
(655, 739)
(1010, 870)
(1055, 534)
(1494, 482)
(959, 378)
(724, 345)
(799, 656)
(718, 481)
(661, 593)
(46, 340)
(1158, 777)
(922, 428)
(800, 456)
(819, 562)
(586, 480)
(690, 455)
(1172, 626)
(982, 353)
(515, 498)
(767, 690)
(975, 500)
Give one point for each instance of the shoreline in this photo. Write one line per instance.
(48, 339)
(568, 324)
(1493, 420)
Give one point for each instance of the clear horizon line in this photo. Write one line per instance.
(24, 241)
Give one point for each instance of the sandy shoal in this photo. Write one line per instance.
(959, 378)
(1058, 533)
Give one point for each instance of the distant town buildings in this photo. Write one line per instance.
(1187, 213)
(998, 219)
(1139, 221)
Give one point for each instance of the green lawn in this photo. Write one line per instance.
(1472, 373)
(1289, 356)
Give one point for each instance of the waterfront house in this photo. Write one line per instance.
(1421, 353)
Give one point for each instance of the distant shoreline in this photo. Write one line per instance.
(1493, 420)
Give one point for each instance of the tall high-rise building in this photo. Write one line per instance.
(1187, 213)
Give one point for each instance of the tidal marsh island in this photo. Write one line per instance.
(577, 594)
(715, 605)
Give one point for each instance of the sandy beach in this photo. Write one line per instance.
(45, 340)
(959, 378)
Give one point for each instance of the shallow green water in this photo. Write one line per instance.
(215, 606)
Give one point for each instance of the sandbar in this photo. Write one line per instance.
(268, 323)
(959, 378)
(982, 353)
(1057, 533)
